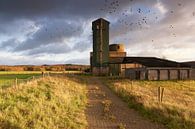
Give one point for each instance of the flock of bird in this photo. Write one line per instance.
(145, 17)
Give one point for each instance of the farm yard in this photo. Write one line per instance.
(97, 64)
(76, 101)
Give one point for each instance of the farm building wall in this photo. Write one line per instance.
(135, 73)
(152, 74)
(100, 71)
(158, 74)
(164, 75)
(114, 69)
(173, 74)
(184, 74)
(192, 74)
(117, 54)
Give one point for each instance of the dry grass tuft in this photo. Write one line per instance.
(177, 108)
(52, 103)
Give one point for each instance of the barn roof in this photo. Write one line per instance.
(147, 61)
(191, 64)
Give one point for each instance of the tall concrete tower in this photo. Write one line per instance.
(100, 55)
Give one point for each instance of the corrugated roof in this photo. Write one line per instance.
(148, 61)
(190, 63)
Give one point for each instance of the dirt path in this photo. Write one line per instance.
(106, 111)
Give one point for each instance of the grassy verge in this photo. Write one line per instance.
(7, 80)
(177, 108)
(47, 103)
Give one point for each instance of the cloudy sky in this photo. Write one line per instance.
(59, 31)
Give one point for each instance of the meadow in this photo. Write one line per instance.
(59, 101)
(48, 102)
(9, 78)
(176, 111)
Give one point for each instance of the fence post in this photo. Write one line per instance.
(131, 86)
(160, 94)
(16, 82)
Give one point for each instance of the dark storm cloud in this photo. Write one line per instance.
(34, 8)
(54, 32)
(35, 27)
(8, 44)
(57, 20)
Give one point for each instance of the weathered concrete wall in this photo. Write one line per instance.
(114, 70)
(183, 74)
(143, 75)
(100, 71)
(164, 75)
(192, 74)
(159, 74)
(131, 74)
(173, 74)
(152, 75)
(117, 54)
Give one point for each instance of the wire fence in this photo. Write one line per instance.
(6, 83)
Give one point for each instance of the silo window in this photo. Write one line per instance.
(118, 47)
(97, 27)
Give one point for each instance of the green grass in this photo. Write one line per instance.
(19, 76)
(47, 103)
(175, 112)
(19, 72)
(8, 78)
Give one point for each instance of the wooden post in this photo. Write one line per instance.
(131, 86)
(162, 92)
(16, 82)
(158, 94)
(158, 74)
(178, 74)
(169, 74)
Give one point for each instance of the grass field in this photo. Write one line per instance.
(8, 78)
(177, 110)
(50, 103)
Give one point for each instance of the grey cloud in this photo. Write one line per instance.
(50, 49)
(27, 61)
(54, 32)
(8, 44)
(57, 8)
(61, 25)
(77, 61)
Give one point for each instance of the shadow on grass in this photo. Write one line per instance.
(8, 125)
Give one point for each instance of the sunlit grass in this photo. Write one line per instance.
(7, 80)
(50, 103)
(177, 108)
